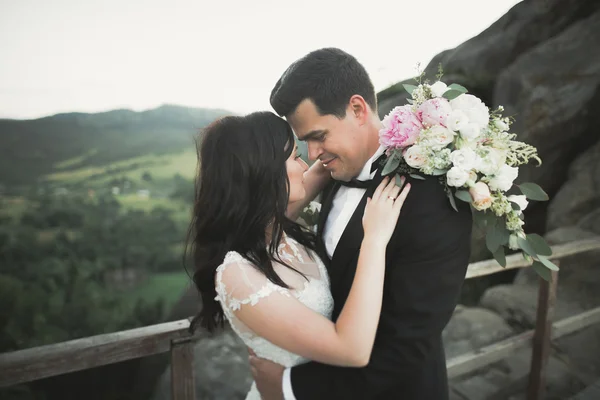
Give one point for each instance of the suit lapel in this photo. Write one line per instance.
(349, 244)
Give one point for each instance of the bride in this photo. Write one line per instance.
(257, 268)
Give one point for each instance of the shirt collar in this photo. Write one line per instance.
(366, 171)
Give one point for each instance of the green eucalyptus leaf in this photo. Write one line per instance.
(533, 191)
(438, 172)
(398, 180)
(549, 264)
(542, 271)
(460, 88)
(415, 176)
(451, 198)
(479, 218)
(463, 195)
(539, 245)
(484, 219)
(392, 163)
(526, 247)
(452, 94)
(494, 238)
(500, 256)
(409, 88)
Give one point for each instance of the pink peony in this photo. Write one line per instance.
(401, 127)
(434, 112)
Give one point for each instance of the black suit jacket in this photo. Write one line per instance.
(426, 262)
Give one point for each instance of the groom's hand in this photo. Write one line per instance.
(268, 377)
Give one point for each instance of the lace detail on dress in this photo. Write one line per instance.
(233, 303)
(239, 283)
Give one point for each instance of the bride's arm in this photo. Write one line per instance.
(289, 324)
(315, 180)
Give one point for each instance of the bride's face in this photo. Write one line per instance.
(296, 167)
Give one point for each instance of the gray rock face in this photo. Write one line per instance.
(580, 195)
(472, 328)
(554, 90)
(517, 304)
(478, 62)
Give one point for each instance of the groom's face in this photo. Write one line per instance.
(340, 144)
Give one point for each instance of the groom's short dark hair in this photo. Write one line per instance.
(329, 77)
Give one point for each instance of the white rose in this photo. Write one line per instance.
(464, 158)
(438, 89)
(439, 137)
(519, 200)
(482, 198)
(504, 177)
(491, 161)
(473, 107)
(457, 177)
(457, 120)
(470, 131)
(415, 156)
(503, 126)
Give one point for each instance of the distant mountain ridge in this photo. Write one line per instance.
(30, 149)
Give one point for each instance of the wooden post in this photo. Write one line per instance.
(182, 370)
(541, 337)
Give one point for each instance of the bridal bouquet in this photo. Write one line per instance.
(448, 133)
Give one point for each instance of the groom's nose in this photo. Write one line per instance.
(314, 150)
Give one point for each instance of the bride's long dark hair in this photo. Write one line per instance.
(241, 188)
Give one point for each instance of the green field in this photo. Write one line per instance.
(169, 286)
(161, 167)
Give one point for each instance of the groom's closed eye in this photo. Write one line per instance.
(317, 135)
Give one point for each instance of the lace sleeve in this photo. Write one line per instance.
(238, 282)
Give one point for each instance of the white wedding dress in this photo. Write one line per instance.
(240, 284)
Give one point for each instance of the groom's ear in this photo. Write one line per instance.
(359, 109)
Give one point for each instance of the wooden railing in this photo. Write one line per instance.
(80, 354)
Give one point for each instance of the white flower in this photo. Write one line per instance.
(491, 161)
(503, 126)
(473, 107)
(503, 178)
(441, 159)
(464, 159)
(415, 156)
(482, 198)
(438, 89)
(457, 177)
(470, 131)
(457, 120)
(439, 137)
(519, 200)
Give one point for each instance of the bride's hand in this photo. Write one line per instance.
(382, 211)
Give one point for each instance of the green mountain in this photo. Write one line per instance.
(82, 145)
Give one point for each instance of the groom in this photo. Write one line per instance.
(329, 100)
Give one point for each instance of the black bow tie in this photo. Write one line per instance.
(355, 183)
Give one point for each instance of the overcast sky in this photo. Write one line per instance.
(91, 55)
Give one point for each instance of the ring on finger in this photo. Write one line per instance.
(391, 197)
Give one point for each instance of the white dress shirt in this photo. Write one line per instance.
(344, 204)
